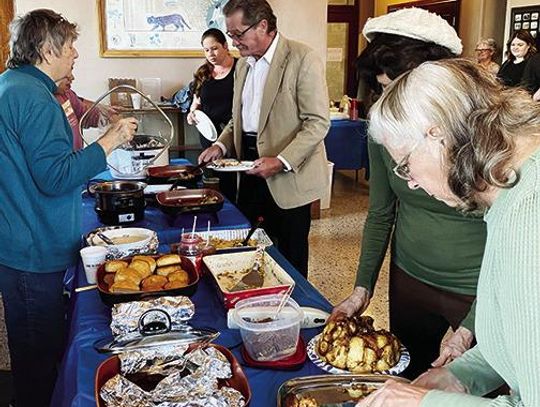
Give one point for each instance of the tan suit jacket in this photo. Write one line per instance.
(293, 122)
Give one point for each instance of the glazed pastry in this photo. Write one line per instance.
(142, 267)
(180, 276)
(123, 286)
(168, 260)
(114, 265)
(153, 283)
(150, 260)
(165, 271)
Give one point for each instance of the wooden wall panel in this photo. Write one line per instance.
(6, 15)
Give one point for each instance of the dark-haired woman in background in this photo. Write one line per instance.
(213, 93)
(518, 51)
(436, 251)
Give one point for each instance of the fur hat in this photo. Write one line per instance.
(415, 23)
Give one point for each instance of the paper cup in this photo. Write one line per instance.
(92, 257)
(136, 100)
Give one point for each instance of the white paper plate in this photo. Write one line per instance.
(243, 166)
(400, 366)
(205, 125)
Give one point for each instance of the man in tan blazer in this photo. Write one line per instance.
(280, 118)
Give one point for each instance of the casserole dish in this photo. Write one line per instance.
(111, 367)
(182, 175)
(110, 298)
(190, 201)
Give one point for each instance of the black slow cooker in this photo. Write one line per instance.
(118, 202)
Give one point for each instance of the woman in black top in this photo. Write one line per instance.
(213, 83)
(519, 49)
(213, 94)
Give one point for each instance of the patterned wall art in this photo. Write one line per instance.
(157, 28)
(525, 18)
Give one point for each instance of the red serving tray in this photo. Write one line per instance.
(111, 367)
(293, 362)
(110, 298)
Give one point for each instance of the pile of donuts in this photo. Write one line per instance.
(145, 273)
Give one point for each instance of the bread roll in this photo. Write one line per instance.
(142, 267)
(174, 284)
(153, 283)
(165, 271)
(114, 265)
(128, 274)
(150, 260)
(168, 260)
(123, 286)
(180, 276)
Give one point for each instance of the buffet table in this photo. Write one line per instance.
(90, 320)
(346, 145)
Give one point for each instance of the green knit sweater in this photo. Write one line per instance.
(431, 242)
(508, 304)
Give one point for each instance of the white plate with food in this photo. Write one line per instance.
(314, 356)
(231, 165)
(205, 125)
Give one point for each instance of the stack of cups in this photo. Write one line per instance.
(93, 257)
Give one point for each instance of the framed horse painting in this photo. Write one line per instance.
(156, 28)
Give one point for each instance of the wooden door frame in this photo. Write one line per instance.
(350, 15)
(6, 15)
(426, 4)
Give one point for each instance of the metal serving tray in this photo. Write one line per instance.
(331, 390)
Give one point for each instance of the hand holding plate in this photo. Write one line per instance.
(265, 167)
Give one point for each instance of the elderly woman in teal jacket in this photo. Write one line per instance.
(474, 146)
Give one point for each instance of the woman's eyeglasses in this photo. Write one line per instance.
(402, 169)
(238, 36)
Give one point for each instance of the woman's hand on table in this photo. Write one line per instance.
(210, 154)
(458, 343)
(119, 133)
(395, 394)
(440, 378)
(358, 301)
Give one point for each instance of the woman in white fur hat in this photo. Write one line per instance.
(436, 251)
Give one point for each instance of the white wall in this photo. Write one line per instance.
(303, 20)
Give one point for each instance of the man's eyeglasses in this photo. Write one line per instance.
(238, 36)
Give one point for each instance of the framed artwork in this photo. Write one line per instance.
(524, 18)
(121, 98)
(156, 28)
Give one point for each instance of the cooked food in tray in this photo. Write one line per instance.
(144, 273)
(228, 243)
(354, 344)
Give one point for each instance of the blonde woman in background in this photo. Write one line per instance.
(486, 50)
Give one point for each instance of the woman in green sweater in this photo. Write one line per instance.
(475, 146)
(436, 250)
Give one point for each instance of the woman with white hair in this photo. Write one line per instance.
(474, 146)
(486, 49)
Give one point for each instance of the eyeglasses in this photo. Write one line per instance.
(239, 36)
(402, 169)
(482, 49)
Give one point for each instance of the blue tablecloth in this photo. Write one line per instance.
(346, 145)
(90, 321)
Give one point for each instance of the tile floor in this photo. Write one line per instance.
(334, 251)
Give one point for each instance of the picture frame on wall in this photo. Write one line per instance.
(525, 18)
(157, 28)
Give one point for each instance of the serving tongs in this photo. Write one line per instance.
(255, 276)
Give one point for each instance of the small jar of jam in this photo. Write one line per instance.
(191, 246)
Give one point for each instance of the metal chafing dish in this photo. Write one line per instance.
(330, 390)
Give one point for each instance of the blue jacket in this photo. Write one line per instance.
(41, 176)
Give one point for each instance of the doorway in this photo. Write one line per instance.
(342, 30)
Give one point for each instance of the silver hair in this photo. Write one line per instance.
(489, 43)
